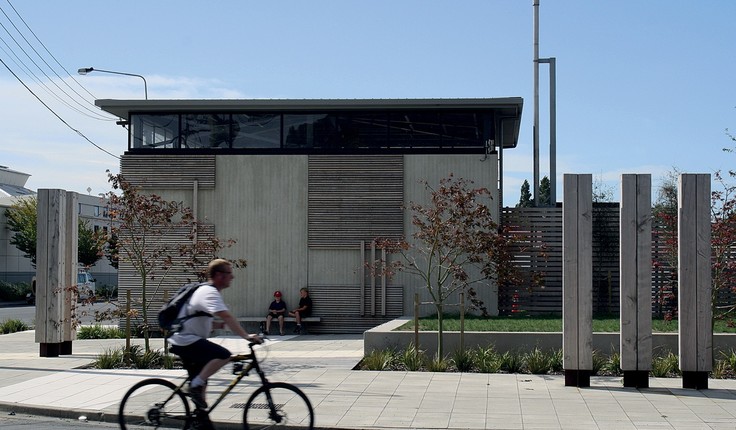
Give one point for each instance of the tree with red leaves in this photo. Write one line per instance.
(139, 223)
(456, 245)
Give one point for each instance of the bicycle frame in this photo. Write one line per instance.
(252, 365)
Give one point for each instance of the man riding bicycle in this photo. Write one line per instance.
(201, 357)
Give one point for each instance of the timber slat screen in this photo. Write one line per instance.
(354, 198)
(340, 310)
(539, 253)
(538, 256)
(157, 289)
(169, 172)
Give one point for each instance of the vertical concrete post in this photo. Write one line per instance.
(636, 279)
(50, 269)
(694, 280)
(68, 332)
(577, 279)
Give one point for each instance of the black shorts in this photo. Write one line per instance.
(196, 355)
(274, 316)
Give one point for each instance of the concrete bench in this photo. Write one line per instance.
(286, 319)
(253, 323)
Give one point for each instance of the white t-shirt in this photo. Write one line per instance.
(208, 299)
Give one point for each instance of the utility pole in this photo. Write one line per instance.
(536, 104)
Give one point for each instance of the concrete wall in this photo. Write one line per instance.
(384, 337)
(261, 202)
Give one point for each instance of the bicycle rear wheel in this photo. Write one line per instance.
(154, 403)
(278, 405)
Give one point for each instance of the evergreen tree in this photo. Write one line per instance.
(525, 201)
(544, 192)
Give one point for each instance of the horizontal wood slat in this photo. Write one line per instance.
(169, 172)
(338, 306)
(160, 287)
(354, 198)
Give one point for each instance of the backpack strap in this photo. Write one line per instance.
(179, 323)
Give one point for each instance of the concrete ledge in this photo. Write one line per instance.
(384, 337)
(289, 319)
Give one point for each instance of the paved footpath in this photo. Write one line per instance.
(349, 399)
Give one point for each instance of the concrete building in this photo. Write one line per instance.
(305, 186)
(14, 267)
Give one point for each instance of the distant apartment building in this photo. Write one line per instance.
(305, 186)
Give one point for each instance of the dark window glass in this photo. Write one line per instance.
(336, 131)
(463, 129)
(206, 131)
(363, 130)
(300, 131)
(415, 129)
(256, 131)
(154, 131)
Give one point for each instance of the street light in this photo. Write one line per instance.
(85, 70)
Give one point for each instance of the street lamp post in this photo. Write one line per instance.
(85, 70)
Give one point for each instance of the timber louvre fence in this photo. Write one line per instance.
(538, 254)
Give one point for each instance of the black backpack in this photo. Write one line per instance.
(168, 315)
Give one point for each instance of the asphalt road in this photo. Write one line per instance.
(27, 313)
(27, 422)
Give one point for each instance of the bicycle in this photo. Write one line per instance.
(155, 402)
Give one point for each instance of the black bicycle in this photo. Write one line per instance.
(158, 403)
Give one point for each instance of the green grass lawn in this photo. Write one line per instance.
(550, 323)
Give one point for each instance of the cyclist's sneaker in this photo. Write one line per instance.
(202, 421)
(197, 395)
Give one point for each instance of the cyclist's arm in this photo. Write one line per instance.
(233, 324)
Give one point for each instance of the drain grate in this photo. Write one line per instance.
(254, 406)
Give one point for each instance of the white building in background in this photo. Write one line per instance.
(14, 267)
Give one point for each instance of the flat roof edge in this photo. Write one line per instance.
(122, 108)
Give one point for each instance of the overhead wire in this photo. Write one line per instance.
(96, 114)
(21, 64)
(47, 51)
(55, 114)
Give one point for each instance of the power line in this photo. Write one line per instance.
(49, 52)
(98, 116)
(55, 114)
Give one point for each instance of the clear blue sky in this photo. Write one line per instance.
(642, 86)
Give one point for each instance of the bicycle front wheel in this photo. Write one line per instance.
(154, 403)
(278, 405)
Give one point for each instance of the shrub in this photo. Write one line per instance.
(438, 364)
(487, 360)
(12, 326)
(463, 360)
(110, 359)
(720, 370)
(412, 358)
(136, 358)
(537, 361)
(667, 365)
(99, 332)
(511, 362)
(613, 365)
(12, 292)
(556, 361)
(729, 357)
(599, 362)
(378, 360)
(106, 292)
